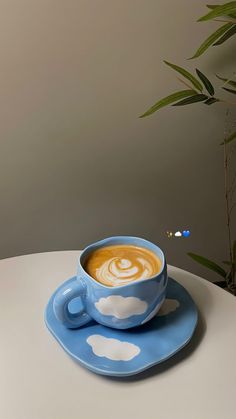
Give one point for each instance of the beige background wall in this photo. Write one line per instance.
(76, 163)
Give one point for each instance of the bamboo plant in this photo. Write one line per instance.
(199, 89)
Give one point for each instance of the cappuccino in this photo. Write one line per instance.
(120, 264)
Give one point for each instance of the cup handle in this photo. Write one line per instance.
(61, 301)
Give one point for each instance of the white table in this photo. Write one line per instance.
(38, 380)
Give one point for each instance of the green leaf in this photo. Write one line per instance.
(231, 82)
(191, 99)
(221, 10)
(229, 90)
(211, 100)
(213, 6)
(228, 140)
(227, 35)
(226, 262)
(211, 39)
(186, 74)
(208, 264)
(167, 101)
(206, 82)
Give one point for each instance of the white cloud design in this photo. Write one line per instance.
(113, 349)
(168, 307)
(121, 307)
(153, 312)
(178, 234)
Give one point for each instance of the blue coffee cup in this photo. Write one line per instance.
(120, 307)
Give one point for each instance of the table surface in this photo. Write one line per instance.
(38, 380)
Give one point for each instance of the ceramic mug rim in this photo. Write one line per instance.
(100, 243)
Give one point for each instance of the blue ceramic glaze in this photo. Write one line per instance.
(114, 352)
(119, 307)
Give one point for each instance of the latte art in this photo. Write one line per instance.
(119, 265)
(118, 271)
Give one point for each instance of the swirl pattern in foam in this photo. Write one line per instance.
(120, 264)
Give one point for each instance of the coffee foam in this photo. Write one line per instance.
(121, 264)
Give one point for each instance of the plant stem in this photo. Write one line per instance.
(229, 278)
(227, 200)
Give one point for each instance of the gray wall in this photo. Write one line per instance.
(76, 163)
